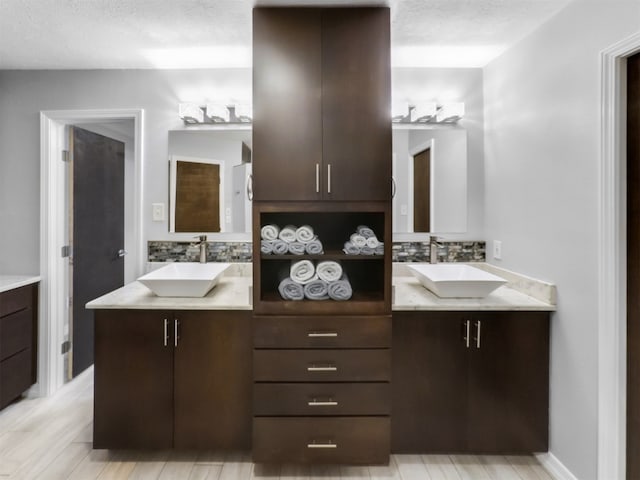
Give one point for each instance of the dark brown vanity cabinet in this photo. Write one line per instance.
(321, 104)
(474, 382)
(321, 390)
(18, 341)
(172, 379)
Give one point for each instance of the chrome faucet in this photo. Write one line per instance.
(203, 248)
(433, 249)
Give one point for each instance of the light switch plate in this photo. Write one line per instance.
(158, 212)
(497, 250)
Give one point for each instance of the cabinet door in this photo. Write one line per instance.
(133, 380)
(213, 380)
(508, 383)
(429, 380)
(356, 104)
(287, 92)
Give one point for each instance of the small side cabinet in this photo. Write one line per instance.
(470, 382)
(172, 379)
(18, 341)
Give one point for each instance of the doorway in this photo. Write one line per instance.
(54, 299)
(421, 191)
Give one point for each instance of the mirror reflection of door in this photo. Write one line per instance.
(197, 197)
(421, 193)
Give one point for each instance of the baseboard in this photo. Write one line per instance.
(555, 467)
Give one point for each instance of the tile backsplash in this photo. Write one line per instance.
(167, 251)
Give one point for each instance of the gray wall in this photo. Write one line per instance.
(542, 118)
(23, 94)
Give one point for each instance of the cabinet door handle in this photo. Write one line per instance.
(322, 445)
(327, 368)
(176, 332)
(322, 403)
(329, 178)
(250, 187)
(467, 333)
(317, 178)
(478, 329)
(322, 334)
(166, 332)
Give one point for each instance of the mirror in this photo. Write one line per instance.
(430, 179)
(209, 180)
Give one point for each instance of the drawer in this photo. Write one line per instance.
(322, 365)
(15, 377)
(322, 332)
(16, 300)
(16, 333)
(345, 440)
(318, 399)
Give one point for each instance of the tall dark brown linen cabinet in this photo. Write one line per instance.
(322, 157)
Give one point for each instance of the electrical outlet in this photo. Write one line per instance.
(403, 209)
(497, 250)
(158, 212)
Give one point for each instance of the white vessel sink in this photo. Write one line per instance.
(184, 279)
(450, 280)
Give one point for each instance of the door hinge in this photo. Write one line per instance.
(66, 251)
(65, 347)
(65, 156)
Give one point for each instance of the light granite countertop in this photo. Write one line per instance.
(233, 292)
(9, 282)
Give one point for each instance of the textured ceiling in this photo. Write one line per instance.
(87, 34)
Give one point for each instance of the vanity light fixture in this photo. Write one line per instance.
(450, 112)
(191, 113)
(215, 113)
(426, 112)
(218, 113)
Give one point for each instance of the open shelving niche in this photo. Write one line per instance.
(333, 224)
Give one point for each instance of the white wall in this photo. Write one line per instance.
(542, 129)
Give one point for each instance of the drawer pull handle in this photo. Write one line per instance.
(328, 368)
(322, 334)
(322, 403)
(322, 445)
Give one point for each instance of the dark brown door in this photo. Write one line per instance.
(212, 380)
(133, 406)
(422, 191)
(197, 197)
(508, 383)
(633, 267)
(429, 379)
(98, 232)
(287, 92)
(356, 104)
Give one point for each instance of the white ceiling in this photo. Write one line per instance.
(89, 34)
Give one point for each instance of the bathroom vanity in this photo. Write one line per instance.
(18, 335)
(442, 375)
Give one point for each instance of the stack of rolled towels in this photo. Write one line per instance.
(363, 242)
(290, 239)
(323, 281)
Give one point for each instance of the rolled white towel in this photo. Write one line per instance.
(280, 247)
(302, 271)
(266, 247)
(329, 271)
(296, 248)
(288, 234)
(290, 290)
(304, 234)
(269, 232)
(350, 249)
(367, 250)
(372, 242)
(340, 289)
(379, 249)
(358, 240)
(316, 290)
(314, 247)
(365, 231)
